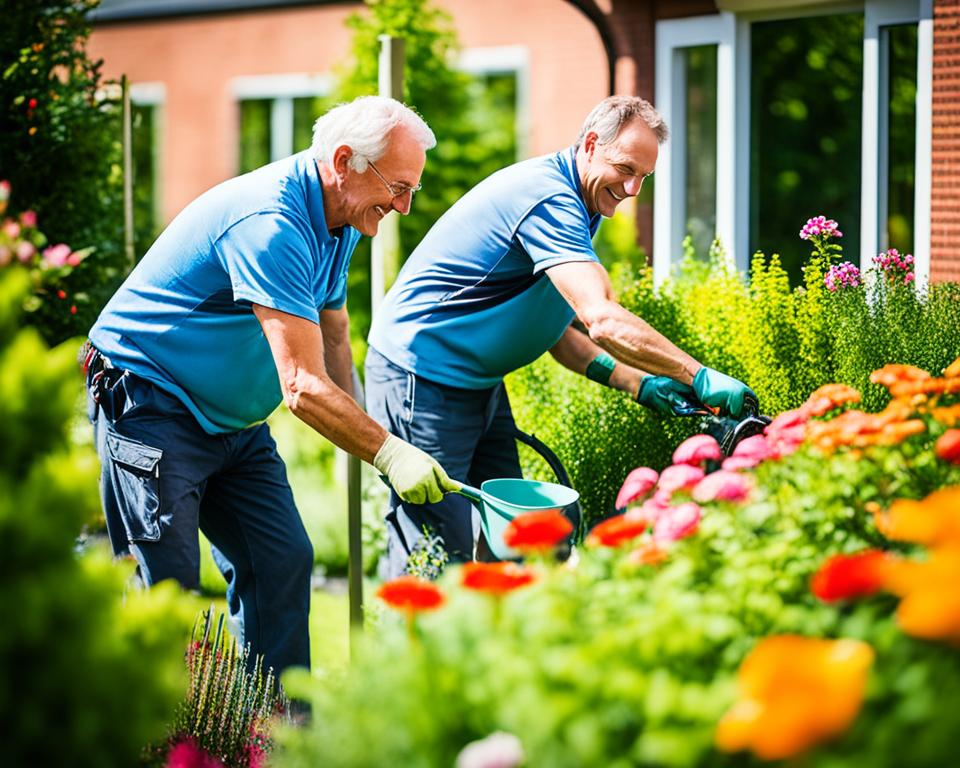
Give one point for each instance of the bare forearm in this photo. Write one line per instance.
(576, 351)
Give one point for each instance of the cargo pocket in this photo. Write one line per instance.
(135, 470)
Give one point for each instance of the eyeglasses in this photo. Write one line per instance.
(395, 188)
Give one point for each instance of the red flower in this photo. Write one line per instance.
(537, 531)
(847, 576)
(615, 531)
(61, 294)
(73, 309)
(186, 754)
(495, 578)
(32, 104)
(408, 593)
(948, 446)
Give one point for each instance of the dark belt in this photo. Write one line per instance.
(98, 371)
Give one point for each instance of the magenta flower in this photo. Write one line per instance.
(677, 522)
(844, 275)
(56, 255)
(28, 219)
(186, 754)
(697, 449)
(820, 227)
(723, 485)
(894, 267)
(679, 477)
(637, 485)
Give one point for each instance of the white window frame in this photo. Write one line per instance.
(879, 14)
(672, 36)
(281, 90)
(505, 59)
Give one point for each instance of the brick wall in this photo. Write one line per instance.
(945, 161)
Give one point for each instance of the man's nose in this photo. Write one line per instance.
(402, 203)
(632, 185)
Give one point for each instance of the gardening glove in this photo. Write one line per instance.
(667, 397)
(718, 390)
(413, 474)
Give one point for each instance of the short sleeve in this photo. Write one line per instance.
(271, 263)
(556, 231)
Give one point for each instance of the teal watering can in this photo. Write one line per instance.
(501, 500)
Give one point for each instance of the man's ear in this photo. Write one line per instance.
(341, 159)
(590, 143)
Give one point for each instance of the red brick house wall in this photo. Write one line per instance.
(945, 160)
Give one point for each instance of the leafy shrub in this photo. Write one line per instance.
(616, 663)
(90, 674)
(60, 149)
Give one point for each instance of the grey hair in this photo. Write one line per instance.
(610, 115)
(364, 125)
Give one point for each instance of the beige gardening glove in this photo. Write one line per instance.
(413, 474)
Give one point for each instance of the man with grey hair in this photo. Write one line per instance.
(497, 282)
(240, 304)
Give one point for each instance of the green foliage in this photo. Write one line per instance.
(784, 343)
(74, 636)
(59, 148)
(230, 703)
(613, 664)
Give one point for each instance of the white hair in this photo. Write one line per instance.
(364, 125)
(610, 115)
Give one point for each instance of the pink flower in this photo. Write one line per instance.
(73, 259)
(679, 477)
(755, 448)
(498, 750)
(697, 449)
(736, 463)
(820, 227)
(186, 754)
(723, 485)
(650, 510)
(787, 419)
(4, 191)
(25, 251)
(56, 255)
(677, 522)
(11, 229)
(637, 485)
(6, 255)
(28, 219)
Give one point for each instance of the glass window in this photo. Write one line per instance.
(805, 133)
(146, 219)
(701, 146)
(896, 222)
(254, 133)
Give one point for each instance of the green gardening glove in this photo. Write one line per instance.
(718, 390)
(414, 475)
(665, 396)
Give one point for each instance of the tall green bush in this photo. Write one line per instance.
(59, 149)
(90, 674)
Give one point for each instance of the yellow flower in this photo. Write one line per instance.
(794, 693)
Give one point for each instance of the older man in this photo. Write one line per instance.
(495, 284)
(239, 304)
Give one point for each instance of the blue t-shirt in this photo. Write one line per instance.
(183, 318)
(472, 303)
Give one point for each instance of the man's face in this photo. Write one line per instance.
(612, 172)
(365, 196)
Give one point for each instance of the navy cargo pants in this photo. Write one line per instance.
(163, 478)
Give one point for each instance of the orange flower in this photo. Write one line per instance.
(647, 553)
(948, 446)
(948, 414)
(846, 576)
(495, 578)
(953, 370)
(410, 594)
(616, 531)
(933, 521)
(930, 603)
(537, 531)
(896, 374)
(828, 397)
(794, 693)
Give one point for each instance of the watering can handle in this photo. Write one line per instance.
(474, 494)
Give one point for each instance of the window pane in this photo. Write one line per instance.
(254, 134)
(897, 231)
(805, 132)
(305, 112)
(701, 152)
(145, 219)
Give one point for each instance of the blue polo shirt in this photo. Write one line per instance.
(183, 318)
(472, 303)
